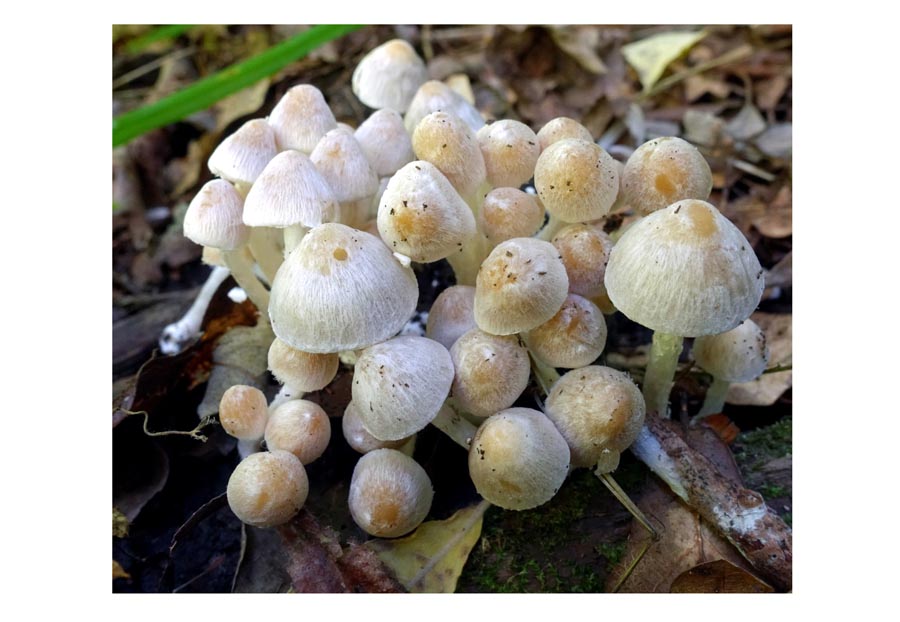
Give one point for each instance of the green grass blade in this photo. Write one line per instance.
(161, 33)
(211, 89)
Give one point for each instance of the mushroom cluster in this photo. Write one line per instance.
(323, 224)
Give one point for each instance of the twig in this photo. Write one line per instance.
(194, 434)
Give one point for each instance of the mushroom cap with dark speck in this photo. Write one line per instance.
(739, 355)
(267, 488)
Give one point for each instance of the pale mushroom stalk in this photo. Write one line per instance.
(242, 271)
(265, 251)
(550, 229)
(176, 335)
(285, 394)
(545, 375)
(660, 374)
(715, 398)
(455, 426)
(293, 235)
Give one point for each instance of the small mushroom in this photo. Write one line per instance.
(267, 488)
(301, 118)
(302, 371)
(562, 128)
(452, 314)
(300, 427)
(510, 149)
(574, 337)
(490, 372)
(389, 76)
(664, 171)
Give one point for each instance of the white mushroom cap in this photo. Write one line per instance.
(341, 289)
(213, 217)
(434, 96)
(302, 371)
(358, 437)
(300, 427)
(520, 285)
(739, 355)
(452, 314)
(490, 372)
(445, 140)
(510, 149)
(663, 171)
(420, 214)
(389, 76)
(518, 459)
(290, 191)
(390, 493)
(301, 118)
(510, 213)
(243, 412)
(385, 141)
(574, 337)
(576, 180)
(341, 161)
(399, 385)
(562, 128)
(268, 488)
(685, 270)
(585, 250)
(241, 157)
(596, 409)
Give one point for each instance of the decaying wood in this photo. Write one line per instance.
(741, 515)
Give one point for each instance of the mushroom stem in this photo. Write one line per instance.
(242, 271)
(285, 394)
(545, 375)
(467, 261)
(176, 335)
(552, 227)
(245, 448)
(264, 250)
(293, 235)
(455, 426)
(658, 378)
(715, 397)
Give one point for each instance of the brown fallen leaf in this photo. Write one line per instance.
(765, 390)
(118, 571)
(776, 219)
(580, 42)
(718, 577)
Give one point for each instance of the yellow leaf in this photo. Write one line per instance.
(119, 572)
(120, 524)
(649, 57)
(431, 559)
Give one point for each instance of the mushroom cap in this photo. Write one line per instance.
(520, 285)
(445, 140)
(389, 76)
(584, 249)
(510, 213)
(243, 412)
(400, 384)
(574, 337)
(390, 493)
(267, 488)
(301, 118)
(596, 409)
(510, 149)
(576, 180)
(562, 128)
(290, 191)
(739, 355)
(358, 437)
(241, 157)
(421, 215)
(340, 289)
(345, 167)
(663, 171)
(385, 141)
(214, 217)
(435, 95)
(685, 270)
(451, 315)
(518, 459)
(490, 372)
(302, 371)
(300, 427)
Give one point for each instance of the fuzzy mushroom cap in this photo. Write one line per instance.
(421, 215)
(300, 427)
(585, 250)
(302, 371)
(241, 157)
(399, 385)
(663, 171)
(342, 162)
(739, 355)
(358, 437)
(518, 459)
(574, 337)
(433, 96)
(214, 217)
(562, 128)
(510, 149)
(290, 191)
(452, 314)
(267, 488)
(446, 141)
(520, 285)
(596, 409)
(385, 141)
(576, 180)
(389, 76)
(510, 213)
(491, 372)
(243, 412)
(341, 289)
(301, 118)
(390, 493)
(685, 270)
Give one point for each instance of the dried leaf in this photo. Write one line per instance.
(747, 123)
(120, 523)
(634, 121)
(580, 42)
(119, 572)
(245, 102)
(781, 274)
(649, 57)
(776, 220)
(460, 83)
(696, 87)
(702, 128)
(431, 559)
(765, 390)
(776, 141)
(719, 577)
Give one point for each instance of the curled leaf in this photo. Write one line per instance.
(718, 577)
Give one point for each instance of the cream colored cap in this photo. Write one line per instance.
(585, 250)
(213, 217)
(341, 161)
(739, 355)
(445, 140)
(685, 270)
(576, 180)
(389, 76)
(451, 315)
(510, 213)
(341, 289)
(562, 128)
(663, 171)
(385, 141)
(490, 372)
(268, 488)
(300, 427)
(434, 96)
(243, 412)
(241, 157)
(510, 149)
(574, 337)
(301, 118)
(358, 437)
(302, 371)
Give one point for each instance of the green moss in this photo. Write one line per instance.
(771, 491)
(756, 447)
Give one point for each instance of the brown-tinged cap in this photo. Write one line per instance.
(243, 412)
(510, 149)
(302, 371)
(663, 171)
(576, 180)
(268, 488)
(300, 427)
(490, 372)
(585, 250)
(562, 128)
(434, 96)
(574, 337)
(510, 213)
(241, 157)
